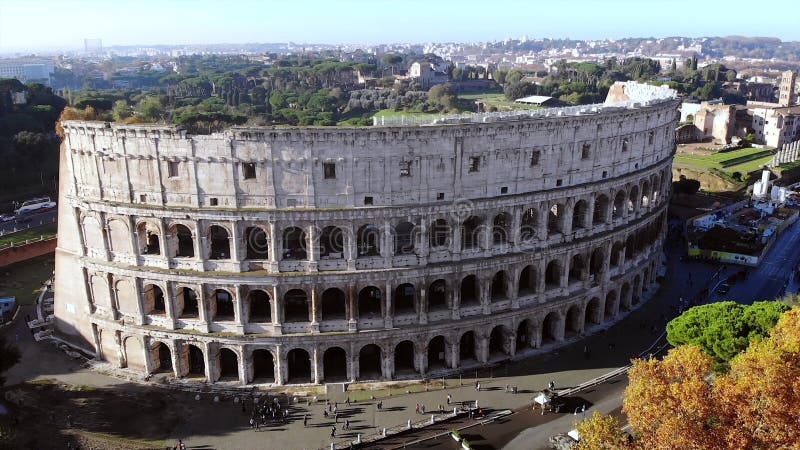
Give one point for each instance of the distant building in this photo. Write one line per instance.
(712, 121)
(426, 74)
(92, 45)
(27, 70)
(756, 92)
(687, 133)
(775, 126)
(786, 94)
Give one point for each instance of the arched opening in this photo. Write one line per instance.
(220, 244)
(574, 321)
(499, 286)
(369, 302)
(404, 238)
(439, 234)
(576, 269)
(187, 302)
(501, 228)
(404, 299)
(334, 305)
(263, 366)
(555, 219)
(524, 335)
(550, 328)
(616, 254)
(466, 347)
(600, 209)
(223, 305)
(470, 233)
(368, 241)
(527, 281)
(184, 247)
(594, 313)
(469, 291)
(630, 246)
(148, 236)
(579, 215)
(633, 198)
(334, 364)
(619, 205)
(296, 306)
(294, 244)
(154, 300)
(259, 306)
(596, 263)
(611, 305)
(498, 341)
(228, 365)
(645, 194)
(436, 354)
(528, 224)
(196, 363)
(331, 243)
(625, 297)
(369, 362)
(552, 276)
(299, 366)
(257, 243)
(437, 296)
(404, 358)
(161, 357)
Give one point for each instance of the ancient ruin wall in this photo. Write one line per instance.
(291, 255)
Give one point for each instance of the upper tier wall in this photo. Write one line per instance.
(347, 167)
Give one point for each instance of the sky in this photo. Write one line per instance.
(40, 25)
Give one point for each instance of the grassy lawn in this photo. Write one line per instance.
(48, 230)
(496, 99)
(717, 160)
(23, 279)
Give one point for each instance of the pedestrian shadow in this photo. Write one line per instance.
(393, 408)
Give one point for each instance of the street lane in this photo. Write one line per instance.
(37, 219)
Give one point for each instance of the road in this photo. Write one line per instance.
(767, 281)
(37, 219)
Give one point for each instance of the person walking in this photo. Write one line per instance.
(346, 424)
(380, 405)
(449, 399)
(347, 401)
(305, 420)
(333, 431)
(336, 417)
(416, 409)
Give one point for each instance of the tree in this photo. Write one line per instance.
(150, 109)
(724, 329)
(121, 110)
(601, 432)
(669, 402)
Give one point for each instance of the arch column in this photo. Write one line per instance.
(453, 357)
(421, 358)
(386, 244)
(566, 221)
(482, 348)
(485, 295)
(423, 241)
(281, 369)
(350, 250)
(387, 364)
(387, 307)
(317, 368)
(315, 310)
(352, 310)
(423, 303)
(512, 287)
(353, 366)
(455, 243)
(455, 296)
(541, 285)
(516, 221)
(169, 303)
(277, 311)
(543, 214)
(589, 217)
(244, 366)
(211, 369)
(272, 250)
(233, 244)
(313, 248)
(238, 309)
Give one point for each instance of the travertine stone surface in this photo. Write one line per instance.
(308, 255)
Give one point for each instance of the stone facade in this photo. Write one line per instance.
(311, 255)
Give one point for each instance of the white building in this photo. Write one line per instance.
(27, 70)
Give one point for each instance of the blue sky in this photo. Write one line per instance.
(62, 24)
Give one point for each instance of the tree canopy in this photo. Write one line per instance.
(724, 329)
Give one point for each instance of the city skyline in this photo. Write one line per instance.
(363, 22)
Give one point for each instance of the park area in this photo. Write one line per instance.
(730, 163)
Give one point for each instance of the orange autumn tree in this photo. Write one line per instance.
(677, 403)
(601, 432)
(760, 398)
(669, 403)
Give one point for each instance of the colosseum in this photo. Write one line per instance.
(272, 256)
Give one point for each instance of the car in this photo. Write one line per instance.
(38, 204)
(7, 217)
(723, 288)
